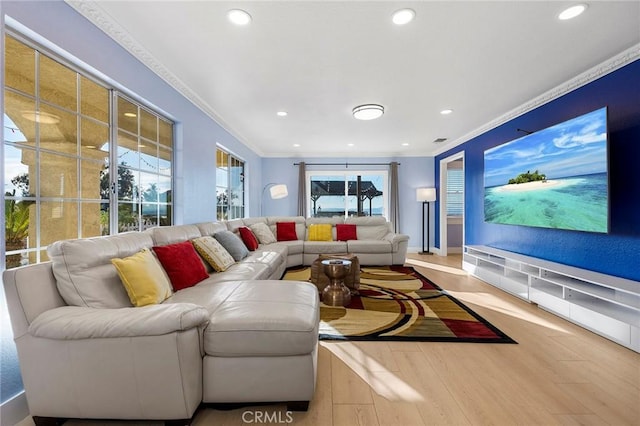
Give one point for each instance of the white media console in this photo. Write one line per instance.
(604, 304)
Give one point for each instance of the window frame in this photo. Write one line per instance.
(384, 174)
(36, 250)
(455, 187)
(228, 211)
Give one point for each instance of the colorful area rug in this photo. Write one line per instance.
(397, 303)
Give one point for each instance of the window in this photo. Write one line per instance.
(455, 189)
(347, 193)
(58, 148)
(58, 142)
(144, 158)
(229, 186)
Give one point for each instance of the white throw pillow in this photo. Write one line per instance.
(263, 233)
(213, 252)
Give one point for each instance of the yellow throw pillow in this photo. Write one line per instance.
(320, 232)
(143, 278)
(213, 252)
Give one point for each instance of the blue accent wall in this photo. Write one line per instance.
(616, 253)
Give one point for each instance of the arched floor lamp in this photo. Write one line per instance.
(425, 195)
(276, 191)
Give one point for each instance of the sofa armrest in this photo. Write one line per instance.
(395, 239)
(75, 322)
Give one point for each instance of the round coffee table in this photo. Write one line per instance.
(336, 293)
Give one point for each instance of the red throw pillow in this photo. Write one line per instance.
(248, 238)
(346, 232)
(286, 231)
(182, 264)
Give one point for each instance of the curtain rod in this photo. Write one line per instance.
(345, 164)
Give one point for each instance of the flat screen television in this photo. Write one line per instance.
(554, 178)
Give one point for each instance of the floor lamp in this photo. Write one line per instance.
(425, 195)
(276, 190)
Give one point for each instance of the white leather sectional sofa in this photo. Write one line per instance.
(239, 336)
(376, 243)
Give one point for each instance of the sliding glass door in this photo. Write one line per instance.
(345, 194)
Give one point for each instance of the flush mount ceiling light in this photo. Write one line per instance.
(282, 113)
(572, 12)
(238, 17)
(446, 111)
(403, 16)
(368, 112)
(40, 117)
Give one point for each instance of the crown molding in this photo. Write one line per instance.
(625, 57)
(100, 18)
(105, 22)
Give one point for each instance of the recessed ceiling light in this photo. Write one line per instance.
(282, 113)
(572, 12)
(403, 16)
(238, 17)
(297, 145)
(446, 111)
(368, 112)
(405, 144)
(130, 114)
(349, 144)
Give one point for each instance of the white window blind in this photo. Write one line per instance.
(455, 192)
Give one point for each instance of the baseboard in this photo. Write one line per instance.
(14, 410)
(433, 250)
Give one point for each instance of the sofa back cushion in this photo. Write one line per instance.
(370, 227)
(84, 273)
(300, 224)
(165, 235)
(210, 228)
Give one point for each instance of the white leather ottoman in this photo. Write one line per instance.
(261, 345)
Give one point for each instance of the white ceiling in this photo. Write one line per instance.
(317, 60)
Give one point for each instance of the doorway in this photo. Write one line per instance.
(452, 204)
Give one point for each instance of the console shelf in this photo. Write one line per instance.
(604, 304)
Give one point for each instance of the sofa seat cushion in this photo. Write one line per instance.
(273, 256)
(324, 247)
(265, 318)
(369, 246)
(242, 271)
(208, 294)
(293, 247)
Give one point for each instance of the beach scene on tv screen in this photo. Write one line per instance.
(553, 178)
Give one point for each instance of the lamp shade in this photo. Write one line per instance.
(278, 191)
(425, 194)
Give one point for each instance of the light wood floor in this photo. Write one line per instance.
(558, 373)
